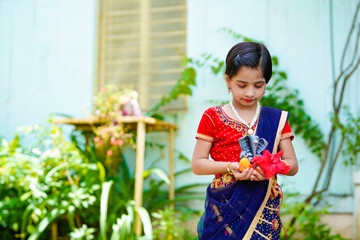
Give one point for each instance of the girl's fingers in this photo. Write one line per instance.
(260, 170)
(245, 175)
(248, 174)
(257, 176)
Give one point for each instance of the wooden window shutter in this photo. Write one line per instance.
(141, 45)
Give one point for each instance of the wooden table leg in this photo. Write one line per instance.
(171, 167)
(54, 231)
(139, 170)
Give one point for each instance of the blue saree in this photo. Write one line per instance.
(247, 209)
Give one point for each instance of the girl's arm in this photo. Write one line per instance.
(202, 165)
(289, 156)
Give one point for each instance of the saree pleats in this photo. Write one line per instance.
(230, 210)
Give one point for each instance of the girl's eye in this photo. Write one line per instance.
(259, 86)
(242, 86)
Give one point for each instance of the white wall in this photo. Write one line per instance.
(46, 60)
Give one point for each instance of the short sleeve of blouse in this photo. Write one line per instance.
(206, 126)
(286, 132)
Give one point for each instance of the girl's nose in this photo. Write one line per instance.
(250, 93)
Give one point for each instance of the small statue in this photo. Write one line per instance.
(253, 154)
(132, 107)
(251, 146)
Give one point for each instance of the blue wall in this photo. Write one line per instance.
(46, 60)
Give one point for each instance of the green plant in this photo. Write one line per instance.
(42, 178)
(308, 225)
(155, 194)
(121, 228)
(167, 224)
(83, 233)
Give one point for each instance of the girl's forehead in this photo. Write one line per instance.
(247, 73)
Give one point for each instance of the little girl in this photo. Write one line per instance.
(242, 205)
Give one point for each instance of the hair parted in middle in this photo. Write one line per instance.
(249, 54)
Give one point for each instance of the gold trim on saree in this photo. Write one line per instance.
(266, 237)
(272, 181)
(281, 125)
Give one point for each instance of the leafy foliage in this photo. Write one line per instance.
(350, 130)
(279, 95)
(118, 202)
(42, 180)
(308, 225)
(167, 224)
(182, 87)
(51, 180)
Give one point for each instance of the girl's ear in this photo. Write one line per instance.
(227, 80)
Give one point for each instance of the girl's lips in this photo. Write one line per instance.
(248, 100)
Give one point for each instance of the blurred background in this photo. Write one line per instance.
(56, 55)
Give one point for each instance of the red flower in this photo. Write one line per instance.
(109, 153)
(271, 164)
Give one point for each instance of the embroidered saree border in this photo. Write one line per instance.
(252, 227)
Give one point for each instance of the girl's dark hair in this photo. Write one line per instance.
(249, 54)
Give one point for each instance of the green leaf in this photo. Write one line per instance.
(189, 75)
(159, 172)
(275, 60)
(25, 196)
(71, 217)
(146, 222)
(24, 220)
(191, 186)
(184, 89)
(105, 194)
(283, 75)
(55, 169)
(102, 173)
(248, 39)
(50, 217)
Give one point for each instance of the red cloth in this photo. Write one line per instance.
(271, 164)
(224, 133)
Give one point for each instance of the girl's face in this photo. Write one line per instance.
(247, 87)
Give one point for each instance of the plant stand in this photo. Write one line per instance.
(142, 125)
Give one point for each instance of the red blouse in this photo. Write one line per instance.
(224, 132)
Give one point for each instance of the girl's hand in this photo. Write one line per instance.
(247, 174)
(258, 175)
